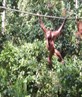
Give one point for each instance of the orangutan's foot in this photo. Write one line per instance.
(63, 62)
(49, 63)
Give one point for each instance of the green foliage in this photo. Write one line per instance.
(70, 78)
(20, 63)
(24, 70)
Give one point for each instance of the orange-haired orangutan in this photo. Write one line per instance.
(50, 37)
(79, 28)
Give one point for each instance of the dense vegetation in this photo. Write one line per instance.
(23, 63)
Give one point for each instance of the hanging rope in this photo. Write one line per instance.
(34, 14)
(15, 10)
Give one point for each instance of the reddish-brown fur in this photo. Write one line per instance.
(79, 28)
(50, 37)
